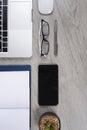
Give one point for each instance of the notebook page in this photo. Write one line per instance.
(14, 119)
(14, 89)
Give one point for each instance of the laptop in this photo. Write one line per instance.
(15, 28)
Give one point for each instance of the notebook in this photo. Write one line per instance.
(16, 28)
(15, 103)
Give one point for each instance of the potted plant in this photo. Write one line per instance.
(49, 121)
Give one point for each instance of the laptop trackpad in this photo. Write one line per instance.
(20, 15)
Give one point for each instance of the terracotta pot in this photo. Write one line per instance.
(50, 114)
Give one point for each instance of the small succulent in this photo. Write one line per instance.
(49, 126)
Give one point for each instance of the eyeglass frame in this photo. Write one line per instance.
(44, 37)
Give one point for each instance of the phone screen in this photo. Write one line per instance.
(48, 85)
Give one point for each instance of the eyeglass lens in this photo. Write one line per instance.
(45, 28)
(45, 47)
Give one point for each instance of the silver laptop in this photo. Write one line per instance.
(16, 28)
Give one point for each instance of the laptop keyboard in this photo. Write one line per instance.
(3, 26)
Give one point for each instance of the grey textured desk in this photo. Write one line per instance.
(72, 60)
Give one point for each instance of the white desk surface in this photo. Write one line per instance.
(72, 61)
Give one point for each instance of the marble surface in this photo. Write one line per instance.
(72, 61)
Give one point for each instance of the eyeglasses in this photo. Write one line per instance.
(45, 30)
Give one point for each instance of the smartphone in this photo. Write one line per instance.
(48, 85)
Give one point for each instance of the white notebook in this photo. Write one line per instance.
(15, 97)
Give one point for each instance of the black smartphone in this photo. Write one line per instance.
(48, 85)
